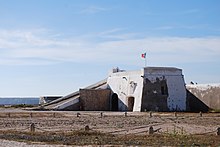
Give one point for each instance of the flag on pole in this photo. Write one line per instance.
(143, 55)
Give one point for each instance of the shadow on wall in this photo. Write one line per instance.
(155, 94)
(118, 105)
(195, 104)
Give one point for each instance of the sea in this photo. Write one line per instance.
(19, 100)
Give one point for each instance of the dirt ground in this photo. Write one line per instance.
(114, 128)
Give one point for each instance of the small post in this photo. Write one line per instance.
(87, 128)
(218, 131)
(175, 114)
(151, 130)
(96, 140)
(101, 114)
(200, 114)
(54, 114)
(182, 130)
(174, 130)
(32, 127)
(78, 114)
(150, 113)
(126, 114)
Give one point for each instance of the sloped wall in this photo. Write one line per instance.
(209, 94)
(195, 104)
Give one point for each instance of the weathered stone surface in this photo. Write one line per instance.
(94, 100)
(204, 95)
(154, 99)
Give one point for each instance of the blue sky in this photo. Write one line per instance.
(54, 47)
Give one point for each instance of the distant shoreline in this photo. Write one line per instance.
(19, 101)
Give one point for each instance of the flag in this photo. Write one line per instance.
(143, 55)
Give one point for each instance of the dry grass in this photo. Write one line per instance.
(111, 129)
(96, 138)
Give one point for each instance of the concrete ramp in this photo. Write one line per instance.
(71, 101)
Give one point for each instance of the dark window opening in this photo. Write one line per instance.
(164, 90)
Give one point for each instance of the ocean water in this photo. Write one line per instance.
(19, 100)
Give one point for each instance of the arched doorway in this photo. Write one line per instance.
(114, 102)
(130, 103)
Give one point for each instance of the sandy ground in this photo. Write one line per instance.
(7, 143)
(108, 122)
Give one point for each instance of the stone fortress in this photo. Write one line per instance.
(148, 89)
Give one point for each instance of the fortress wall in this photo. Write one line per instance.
(209, 94)
(94, 100)
(127, 85)
(164, 89)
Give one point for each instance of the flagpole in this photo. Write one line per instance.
(145, 61)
